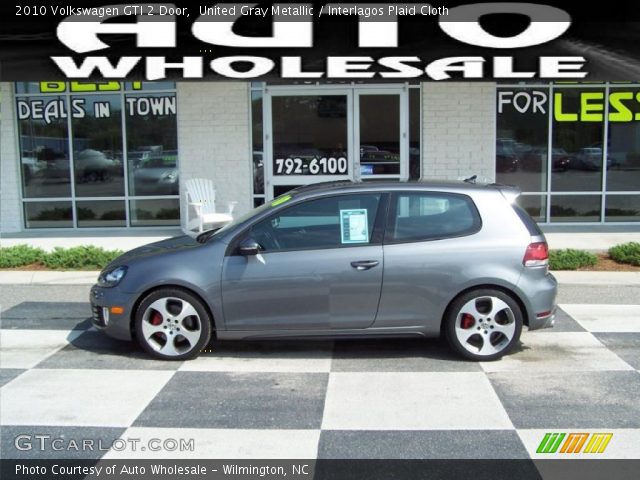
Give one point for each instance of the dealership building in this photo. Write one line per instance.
(115, 155)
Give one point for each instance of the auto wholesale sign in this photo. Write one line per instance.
(514, 41)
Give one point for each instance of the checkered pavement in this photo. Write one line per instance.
(400, 398)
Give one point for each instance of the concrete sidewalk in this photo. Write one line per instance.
(21, 277)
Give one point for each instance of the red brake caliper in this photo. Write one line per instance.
(156, 319)
(467, 321)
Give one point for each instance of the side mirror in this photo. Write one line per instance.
(249, 247)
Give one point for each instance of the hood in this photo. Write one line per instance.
(157, 248)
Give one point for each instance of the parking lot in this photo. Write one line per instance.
(401, 398)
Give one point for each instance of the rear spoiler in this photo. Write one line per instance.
(510, 192)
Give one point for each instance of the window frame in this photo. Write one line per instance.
(377, 233)
(393, 209)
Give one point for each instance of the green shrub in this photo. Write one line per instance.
(19, 255)
(570, 259)
(79, 258)
(626, 253)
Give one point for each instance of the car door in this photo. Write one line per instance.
(319, 266)
(427, 249)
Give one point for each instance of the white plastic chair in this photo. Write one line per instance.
(201, 197)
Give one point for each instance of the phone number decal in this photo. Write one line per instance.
(311, 166)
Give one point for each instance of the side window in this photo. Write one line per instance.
(432, 215)
(323, 223)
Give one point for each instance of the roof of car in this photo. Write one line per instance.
(344, 185)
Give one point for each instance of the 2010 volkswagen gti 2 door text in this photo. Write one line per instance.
(341, 259)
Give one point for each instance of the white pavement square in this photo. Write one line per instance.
(221, 443)
(109, 398)
(605, 318)
(560, 352)
(27, 348)
(412, 401)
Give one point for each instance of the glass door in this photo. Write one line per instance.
(316, 134)
(308, 139)
(381, 124)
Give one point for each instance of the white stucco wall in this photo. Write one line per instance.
(459, 130)
(10, 210)
(214, 138)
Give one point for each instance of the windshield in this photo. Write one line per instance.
(209, 234)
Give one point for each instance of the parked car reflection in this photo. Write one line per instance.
(156, 173)
(94, 166)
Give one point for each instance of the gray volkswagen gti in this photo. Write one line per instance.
(341, 260)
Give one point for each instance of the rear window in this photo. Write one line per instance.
(431, 215)
(530, 223)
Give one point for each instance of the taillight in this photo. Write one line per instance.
(537, 255)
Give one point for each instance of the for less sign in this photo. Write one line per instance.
(589, 106)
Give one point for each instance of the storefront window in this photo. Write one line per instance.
(582, 167)
(153, 213)
(522, 139)
(152, 150)
(578, 128)
(73, 157)
(48, 214)
(44, 146)
(623, 152)
(97, 146)
(99, 213)
(575, 208)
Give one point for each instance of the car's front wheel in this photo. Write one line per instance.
(483, 324)
(172, 324)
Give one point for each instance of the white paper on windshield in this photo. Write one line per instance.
(354, 227)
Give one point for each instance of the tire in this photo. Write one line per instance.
(483, 324)
(172, 324)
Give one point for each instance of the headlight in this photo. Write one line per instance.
(169, 176)
(110, 278)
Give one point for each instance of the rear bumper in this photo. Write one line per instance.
(540, 290)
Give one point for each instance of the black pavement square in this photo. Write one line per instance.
(398, 355)
(607, 399)
(625, 345)
(8, 374)
(47, 316)
(563, 323)
(238, 400)
(421, 444)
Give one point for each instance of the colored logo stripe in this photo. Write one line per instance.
(598, 442)
(550, 443)
(574, 442)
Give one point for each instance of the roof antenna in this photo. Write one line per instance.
(471, 179)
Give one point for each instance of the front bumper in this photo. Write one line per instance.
(116, 325)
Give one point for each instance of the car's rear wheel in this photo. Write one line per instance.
(172, 324)
(483, 324)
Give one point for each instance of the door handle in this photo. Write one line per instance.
(364, 264)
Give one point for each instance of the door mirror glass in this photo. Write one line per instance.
(249, 247)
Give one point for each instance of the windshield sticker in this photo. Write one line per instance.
(280, 200)
(354, 226)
